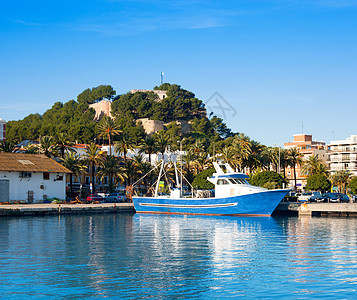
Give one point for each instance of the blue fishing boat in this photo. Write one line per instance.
(233, 196)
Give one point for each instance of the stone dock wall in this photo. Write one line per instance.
(64, 209)
(318, 209)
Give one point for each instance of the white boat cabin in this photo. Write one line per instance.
(228, 183)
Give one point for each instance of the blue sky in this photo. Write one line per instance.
(278, 64)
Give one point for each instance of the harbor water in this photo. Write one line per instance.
(139, 256)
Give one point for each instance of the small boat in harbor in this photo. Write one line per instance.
(233, 196)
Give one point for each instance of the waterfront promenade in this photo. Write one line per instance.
(317, 209)
(56, 209)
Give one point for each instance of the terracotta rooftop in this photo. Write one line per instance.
(20, 162)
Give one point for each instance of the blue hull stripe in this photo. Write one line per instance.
(188, 206)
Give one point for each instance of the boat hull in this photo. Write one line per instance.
(257, 204)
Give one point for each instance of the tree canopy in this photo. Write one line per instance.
(201, 181)
(267, 179)
(318, 182)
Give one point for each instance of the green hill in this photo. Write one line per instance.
(77, 118)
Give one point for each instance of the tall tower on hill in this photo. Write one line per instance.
(2, 129)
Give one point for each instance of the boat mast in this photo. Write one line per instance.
(176, 175)
(158, 179)
(181, 167)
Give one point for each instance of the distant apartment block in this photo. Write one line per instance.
(2, 129)
(307, 147)
(343, 155)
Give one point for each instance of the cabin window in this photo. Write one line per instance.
(46, 176)
(222, 182)
(237, 181)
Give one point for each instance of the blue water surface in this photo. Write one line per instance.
(133, 256)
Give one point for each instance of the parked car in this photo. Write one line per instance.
(116, 197)
(94, 198)
(317, 198)
(334, 197)
(306, 196)
(338, 197)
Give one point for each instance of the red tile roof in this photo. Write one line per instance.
(20, 162)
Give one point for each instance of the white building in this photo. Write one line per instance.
(31, 178)
(2, 129)
(343, 155)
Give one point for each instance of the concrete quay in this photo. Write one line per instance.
(317, 209)
(63, 209)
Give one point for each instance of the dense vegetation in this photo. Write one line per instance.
(209, 138)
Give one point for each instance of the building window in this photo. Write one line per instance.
(105, 180)
(46, 176)
(26, 174)
(87, 181)
(59, 177)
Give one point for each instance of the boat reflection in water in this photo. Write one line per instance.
(138, 256)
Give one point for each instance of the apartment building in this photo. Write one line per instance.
(307, 147)
(343, 155)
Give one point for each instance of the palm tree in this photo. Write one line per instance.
(73, 162)
(143, 168)
(275, 157)
(341, 178)
(313, 165)
(108, 128)
(202, 162)
(266, 158)
(188, 160)
(254, 157)
(123, 146)
(162, 141)
(229, 156)
(110, 167)
(31, 149)
(295, 158)
(92, 157)
(149, 146)
(284, 160)
(47, 146)
(198, 146)
(130, 171)
(6, 146)
(242, 146)
(63, 143)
